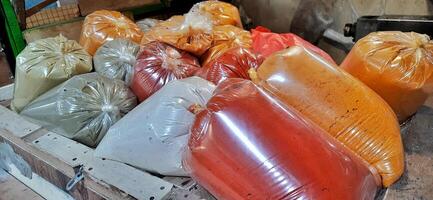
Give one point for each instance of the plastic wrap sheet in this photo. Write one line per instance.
(224, 38)
(343, 106)
(116, 59)
(248, 145)
(154, 135)
(147, 23)
(221, 13)
(233, 63)
(191, 32)
(45, 63)
(396, 65)
(265, 43)
(159, 63)
(82, 108)
(103, 25)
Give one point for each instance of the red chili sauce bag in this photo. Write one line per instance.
(159, 63)
(233, 63)
(248, 145)
(265, 43)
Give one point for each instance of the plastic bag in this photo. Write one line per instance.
(221, 13)
(340, 104)
(44, 64)
(82, 108)
(154, 135)
(159, 63)
(116, 59)
(266, 43)
(192, 33)
(396, 65)
(234, 63)
(248, 145)
(104, 25)
(147, 23)
(224, 38)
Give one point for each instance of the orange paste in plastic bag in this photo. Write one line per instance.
(340, 104)
(192, 34)
(396, 65)
(103, 25)
(221, 13)
(224, 38)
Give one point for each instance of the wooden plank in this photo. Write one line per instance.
(16, 124)
(87, 7)
(41, 186)
(132, 181)
(58, 172)
(70, 29)
(12, 189)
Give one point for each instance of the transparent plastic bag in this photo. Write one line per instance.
(103, 25)
(82, 108)
(266, 43)
(191, 32)
(248, 145)
(224, 38)
(233, 63)
(116, 59)
(396, 65)
(44, 64)
(221, 13)
(154, 135)
(159, 63)
(343, 106)
(147, 23)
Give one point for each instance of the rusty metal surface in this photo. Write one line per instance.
(417, 180)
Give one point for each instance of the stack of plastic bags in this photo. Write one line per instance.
(398, 66)
(45, 63)
(284, 122)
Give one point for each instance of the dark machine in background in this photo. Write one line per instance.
(367, 24)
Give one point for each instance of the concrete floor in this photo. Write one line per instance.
(417, 180)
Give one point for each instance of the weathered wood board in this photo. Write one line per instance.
(11, 188)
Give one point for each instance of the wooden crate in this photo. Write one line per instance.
(54, 158)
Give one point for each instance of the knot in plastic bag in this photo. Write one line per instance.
(109, 108)
(196, 21)
(171, 58)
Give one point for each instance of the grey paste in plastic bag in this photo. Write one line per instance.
(82, 108)
(154, 135)
(44, 64)
(116, 58)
